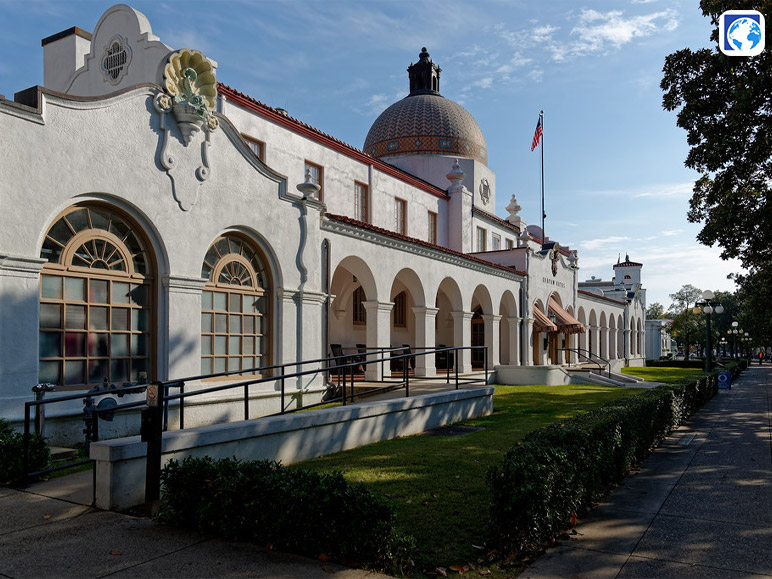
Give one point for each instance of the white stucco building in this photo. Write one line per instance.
(152, 227)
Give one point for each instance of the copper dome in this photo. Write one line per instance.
(425, 122)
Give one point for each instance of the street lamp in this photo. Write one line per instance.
(708, 305)
(733, 332)
(723, 343)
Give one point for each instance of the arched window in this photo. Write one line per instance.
(359, 313)
(96, 311)
(235, 307)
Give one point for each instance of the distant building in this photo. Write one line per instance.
(158, 224)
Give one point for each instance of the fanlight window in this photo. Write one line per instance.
(235, 308)
(95, 301)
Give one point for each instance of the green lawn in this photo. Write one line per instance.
(437, 484)
(663, 374)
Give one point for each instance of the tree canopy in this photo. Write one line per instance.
(725, 105)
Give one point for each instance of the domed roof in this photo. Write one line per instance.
(425, 122)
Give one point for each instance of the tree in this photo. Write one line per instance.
(655, 311)
(725, 106)
(684, 298)
(754, 298)
(686, 327)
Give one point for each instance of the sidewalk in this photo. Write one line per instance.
(700, 505)
(41, 536)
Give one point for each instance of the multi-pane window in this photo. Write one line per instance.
(510, 244)
(432, 227)
(359, 315)
(495, 242)
(95, 301)
(234, 308)
(400, 216)
(360, 202)
(481, 239)
(316, 172)
(400, 310)
(258, 147)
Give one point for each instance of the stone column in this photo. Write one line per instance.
(424, 339)
(594, 342)
(528, 342)
(627, 344)
(378, 334)
(492, 338)
(462, 336)
(513, 327)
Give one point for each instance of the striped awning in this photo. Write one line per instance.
(541, 322)
(566, 323)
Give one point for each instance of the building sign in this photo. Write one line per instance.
(553, 282)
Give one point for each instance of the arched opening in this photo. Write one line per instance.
(97, 316)
(235, 307)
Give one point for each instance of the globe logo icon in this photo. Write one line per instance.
(741, 33)
(744, 34)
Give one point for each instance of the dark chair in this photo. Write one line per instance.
(411, 359)
(395, 364)
(361, 356)
(443, 360)
(337, 350)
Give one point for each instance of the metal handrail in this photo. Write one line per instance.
(328, 365)
(589, 357)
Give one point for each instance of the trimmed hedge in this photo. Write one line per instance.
(294, 510)
(560, 470)
(12, 453)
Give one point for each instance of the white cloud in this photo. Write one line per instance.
(599, 31)
(672, 232)
(592, 244)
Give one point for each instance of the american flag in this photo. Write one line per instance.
(536, 135)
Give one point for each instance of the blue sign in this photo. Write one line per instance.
(724, 380)
(741, 33)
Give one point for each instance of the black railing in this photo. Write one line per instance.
(342, 391)
(589, 357)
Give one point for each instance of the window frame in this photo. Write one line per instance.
(399, 317)
(358, 311)
(236, 320)
(361, 198)
(319, 179)
(400, 215)
(481, 239)
(495, 242)
(260, 153)
(432, 227)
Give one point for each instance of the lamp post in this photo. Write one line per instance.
(708, 305)
(747, 339)
(734, 331)
(723, 343)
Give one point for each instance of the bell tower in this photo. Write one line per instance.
(424, 75)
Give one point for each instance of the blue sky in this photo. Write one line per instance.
(615, 180)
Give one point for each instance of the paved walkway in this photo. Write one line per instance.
(42, 536)
(700, 505)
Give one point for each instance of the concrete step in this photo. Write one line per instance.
(60, 454)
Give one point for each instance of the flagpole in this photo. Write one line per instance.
(543, 214)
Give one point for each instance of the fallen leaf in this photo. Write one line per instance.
(326, 569)
(46, 517)
(457, 568)
(485, 572)
(441, 571)
(424, 502)
(478, 547)
(114, 552)
(323, 558)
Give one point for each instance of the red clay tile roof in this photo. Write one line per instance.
(307, 130)
(362, 224)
